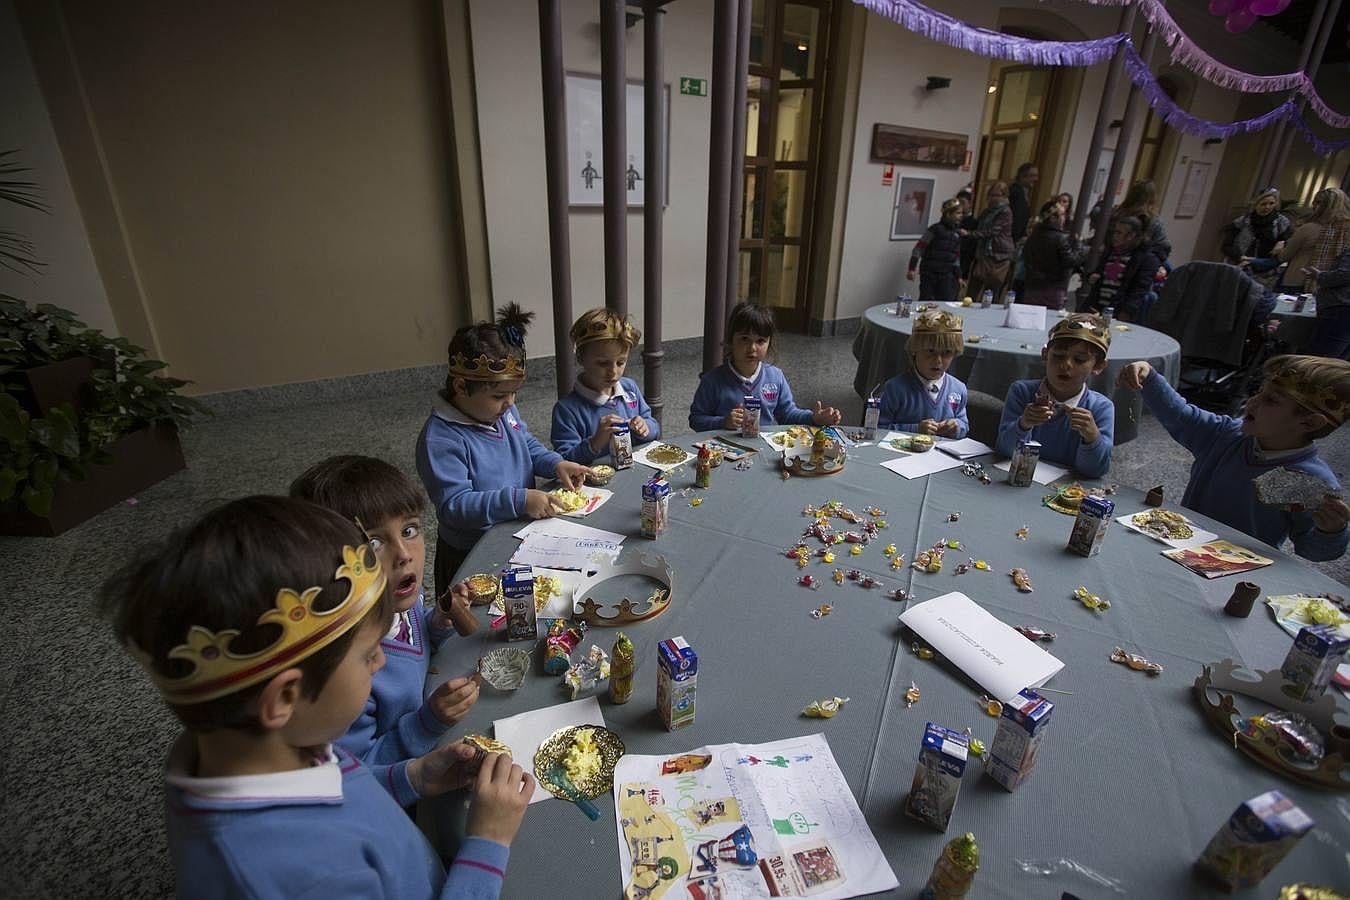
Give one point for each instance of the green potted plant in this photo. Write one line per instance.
(85, 420)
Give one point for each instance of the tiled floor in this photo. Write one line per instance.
(84, 736)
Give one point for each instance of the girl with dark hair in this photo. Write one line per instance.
(719, 400)
(1125, 274)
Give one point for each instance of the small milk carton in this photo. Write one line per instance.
(1012, 755)
(1089, 529)
(1312, 661)
(518, 597)
(676, 682)
(1258, 834)
(937, 778)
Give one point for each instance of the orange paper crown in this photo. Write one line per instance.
(941, 322)
(484, 368)
(1293, 381)
(218, 671)
(1083, 327)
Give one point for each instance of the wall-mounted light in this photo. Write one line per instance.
(802, 47)
(993, 89)
(1209, 141)
(938, 82)
(1116, 123)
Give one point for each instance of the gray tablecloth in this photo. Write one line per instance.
(1131, 779)
(1296, 328)
(1005, 355)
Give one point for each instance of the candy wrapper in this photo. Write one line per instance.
(954, 872)
(1022, 580)
(588, 671)
(558, 646)
(1292, 729)
(1286, 487)
(622, 667)
(824, 709)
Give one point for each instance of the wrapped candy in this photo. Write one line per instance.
(1291, 728)
(1022, 580)
(822, 611)
(854, 575)
(838, 576)
(963, 568)
(588, 671)
(875, 511)
(954, 517)
(897, 561)
(828, 557)
(929, 561)
(855, 537)
(558, 646)
(802, 562)
(1032, 633)
(1090, 600)
(992, 707)
(1135, 661)
(869, 582)
(855, 550)
(977, 746)
(911, 695)
(922, 651)
(824, 709)
(900, 594)
(1022, 533)
(807, 581)
(888, 549)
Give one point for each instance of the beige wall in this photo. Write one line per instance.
(70, 278)
(280, 173)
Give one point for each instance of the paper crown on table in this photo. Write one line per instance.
(627, 612)
(484, 368)
(218, 671)
(1083, 327)
(603, 325)
(938, 322)
(1294, 376)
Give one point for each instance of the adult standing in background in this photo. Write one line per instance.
(969, 223)
(1332, 335)
(1050, 256)
(993, 253)
(1019, 199)
(1141, 202)
(1317, 242)
(1258, 231)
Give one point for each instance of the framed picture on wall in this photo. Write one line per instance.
(897, 143)
(912, 208)
(585, 170)
(1193, 189)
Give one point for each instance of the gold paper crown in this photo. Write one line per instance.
(217, 671)
(950, 205)
(941, 322)
(483, 368)
(1083, 327)
(1292, 378)
(609, 328)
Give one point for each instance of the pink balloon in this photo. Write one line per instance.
(1239, 20)
(1268, 7)
(1222, 7)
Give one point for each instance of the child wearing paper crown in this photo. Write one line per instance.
(397, 724)
(722, 391)
(477, 459)
(1073, 423)
(602, 398)
(927, 399)
(940, 252)
(261, 626)
(1303, 398)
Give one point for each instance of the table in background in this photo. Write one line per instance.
(1296, 328)
(1131, 779)
(1005, 355)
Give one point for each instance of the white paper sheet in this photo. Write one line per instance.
(1045, 473)
(1200, 537)
(562, 552)
(917, 465)
(564, 528)
(965, 448)
(805, 825)
(524, 733)
(640, 455)
(996, 656)
(1026, 316)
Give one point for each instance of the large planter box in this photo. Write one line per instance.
(56, 383)
(139, 460)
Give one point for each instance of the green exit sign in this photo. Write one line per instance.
(694, 87)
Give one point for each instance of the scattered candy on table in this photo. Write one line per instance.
(854, 575)
(838, 576)
(1022, 533)
(900, 594)
(1032, 633)
(888, 549)
(869, 582)
(1022, 580)
(801, 562)
(911, 695)
(897, 561)
(1090, 600)
(824, 709)
(807, 581)
(922, 651)
(1135, 661)
(954, 517)
(822, 611)
(855, 550)
(992, 707)
(697, 501)
(828, 557)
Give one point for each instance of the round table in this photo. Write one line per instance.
(1296, 327)
(1004, 355)
(1128, 771)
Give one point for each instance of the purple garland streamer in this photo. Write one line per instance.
(1178, 118)
(953, 32)
(1319, 146)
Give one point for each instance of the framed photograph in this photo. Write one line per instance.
(585, 171)
(913, 206)
(896, 143)
(1193, 189)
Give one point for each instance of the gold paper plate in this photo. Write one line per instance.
(554, 750)
(668, 454)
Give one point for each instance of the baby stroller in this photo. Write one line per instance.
(1217, 313)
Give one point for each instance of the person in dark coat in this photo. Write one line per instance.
(940, 252)
(969, 222)
(1049, 257)
(1256, 233)
(1125, 273)
(1019, 199)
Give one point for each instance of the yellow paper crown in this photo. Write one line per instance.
(217, 671)
(607, 328)
(1291, 377)
(1083, 327)
(940, 322)
(484, 368)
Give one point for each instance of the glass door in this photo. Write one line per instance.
(783, 96)
(1022, 96)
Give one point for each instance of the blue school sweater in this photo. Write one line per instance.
(1225, 465)
(476, 476)
(906, 401)
(576, 416)
(396, 724)
(722, 389)
(1059, 444)
(325, 831)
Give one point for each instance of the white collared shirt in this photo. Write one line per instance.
(1275, 455)
(601, 399)
(748, 383)
(934, 388)
(400, 618)
(320, 781)
(1075, 401)
(446, 410)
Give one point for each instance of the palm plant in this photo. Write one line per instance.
(17, 251)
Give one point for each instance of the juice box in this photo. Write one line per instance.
(750, 408)
(676, 682)
(1312, 661)
(1089, 529)
(1258, 834)
(518, 598)
(1012, 755)
(937, 778)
